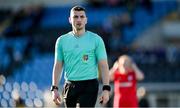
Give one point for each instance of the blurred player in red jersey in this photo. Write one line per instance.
(125, 74)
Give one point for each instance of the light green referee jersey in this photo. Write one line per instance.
(80, 55)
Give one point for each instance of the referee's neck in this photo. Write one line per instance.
(78, 32)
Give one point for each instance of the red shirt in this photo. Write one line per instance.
(125, 89)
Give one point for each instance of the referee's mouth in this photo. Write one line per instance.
(79, 24)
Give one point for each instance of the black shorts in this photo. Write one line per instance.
(83, 92)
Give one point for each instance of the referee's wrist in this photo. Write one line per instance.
(106, 87)
(53, 87)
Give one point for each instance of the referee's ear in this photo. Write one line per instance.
(70, 20)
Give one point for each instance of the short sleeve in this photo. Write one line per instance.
(100, 49)
(58, 50)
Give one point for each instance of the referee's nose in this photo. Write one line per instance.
(79, 19)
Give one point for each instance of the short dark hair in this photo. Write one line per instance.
(78, 8)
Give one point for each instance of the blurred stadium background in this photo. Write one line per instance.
(147, 30)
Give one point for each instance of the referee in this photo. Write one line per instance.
(80, 53)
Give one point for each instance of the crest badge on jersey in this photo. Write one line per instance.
(85, 58)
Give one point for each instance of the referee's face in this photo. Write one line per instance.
(78, 20)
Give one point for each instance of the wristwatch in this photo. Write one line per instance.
(106, 87)
(53, 87)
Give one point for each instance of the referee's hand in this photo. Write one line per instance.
(104, 98)
(56, 97)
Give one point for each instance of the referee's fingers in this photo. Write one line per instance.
(56, 101)
(59, 98)
(101, 100)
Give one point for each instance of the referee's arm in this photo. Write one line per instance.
(104, 69)
(55, 80)
(56, 72)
